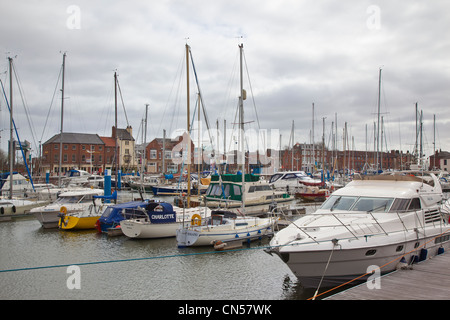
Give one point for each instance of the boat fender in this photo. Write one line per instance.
(219, 245)
(196, 220)
(440, 250)
(2, 210)
(402, 265)
(423, 254)
(14, 209)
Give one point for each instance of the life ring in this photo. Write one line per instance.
(63, 210)
(196, 220)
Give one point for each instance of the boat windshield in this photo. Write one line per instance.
(353, 203)
(338, 203)
(69, 199)
(275, 177)
(370, 204)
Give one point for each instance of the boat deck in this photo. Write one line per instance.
(427, 280)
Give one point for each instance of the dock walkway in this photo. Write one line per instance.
(427, 280)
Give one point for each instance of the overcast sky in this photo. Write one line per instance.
(297, 53)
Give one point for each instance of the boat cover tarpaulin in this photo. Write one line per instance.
(161, 212)
(114, 213)
(235, 178)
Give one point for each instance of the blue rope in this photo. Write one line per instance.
(124, 260)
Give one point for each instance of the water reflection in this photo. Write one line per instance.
(161, 271)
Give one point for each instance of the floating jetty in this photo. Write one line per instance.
(426, 280)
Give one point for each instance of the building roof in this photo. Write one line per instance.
(124, 134)
(109, 142)
(78, 138)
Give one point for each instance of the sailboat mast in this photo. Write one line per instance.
(378, 127)
(312, 141)
(11, 142)
(188, 160)
(145, 144)
(116, 152)
(241, 125)
(62, 119)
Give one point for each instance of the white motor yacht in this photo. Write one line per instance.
(383, 221)
(76, 200)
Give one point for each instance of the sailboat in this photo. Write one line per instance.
(225, 226)
(10, 206)
(161, 219)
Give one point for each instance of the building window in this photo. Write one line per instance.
(74, 158)
(66, 147)
(65, 157)
(55, 146)
(83, 158)
(74, 147)
(152, 154)
(83, 147)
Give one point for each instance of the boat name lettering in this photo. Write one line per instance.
(164, 216)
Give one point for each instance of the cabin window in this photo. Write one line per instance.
(251, 189)
(227, 191)
(371, 252)
(370, 204)
(216, 220)
(275, 177)
(400, 205)
(290, 176)
(415, 204)
(339, 203)
(218, 191)
(236, 190)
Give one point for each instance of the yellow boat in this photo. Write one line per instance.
(75, 223)
(80, 220)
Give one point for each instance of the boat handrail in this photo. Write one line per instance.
(421, 223)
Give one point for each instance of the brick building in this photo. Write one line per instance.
(79, 150)
(88, 152)
(172, 150)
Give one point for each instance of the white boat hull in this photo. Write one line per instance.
(47, 219)
(311, 269)
(144, 230)
(202, 236)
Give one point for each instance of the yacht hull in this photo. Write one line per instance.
(47, 219)
(144, 230)
(190, 237)
(333, 267)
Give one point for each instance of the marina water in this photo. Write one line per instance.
(34, 265)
